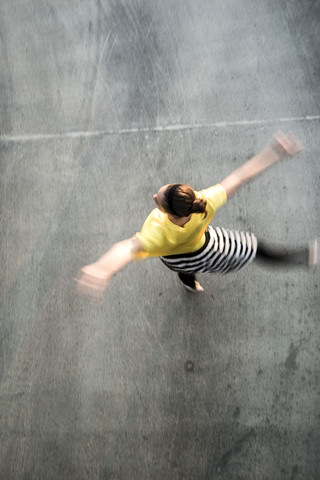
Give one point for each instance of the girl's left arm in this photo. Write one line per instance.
(281, 146)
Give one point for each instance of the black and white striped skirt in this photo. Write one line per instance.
(224, 251)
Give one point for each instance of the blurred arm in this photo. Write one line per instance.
(94, 278)
(119, 255)
(281, 146)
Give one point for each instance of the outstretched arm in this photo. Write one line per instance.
(281, 146)
(93, 279)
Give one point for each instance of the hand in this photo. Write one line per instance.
(284, 144)
(92, 281)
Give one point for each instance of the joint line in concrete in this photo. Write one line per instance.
(167, 128)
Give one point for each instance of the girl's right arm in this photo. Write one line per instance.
(93, 278)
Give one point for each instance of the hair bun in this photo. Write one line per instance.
(199, 206)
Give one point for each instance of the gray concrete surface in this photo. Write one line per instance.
(102, 102)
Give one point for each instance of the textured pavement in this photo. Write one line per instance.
(101, 103)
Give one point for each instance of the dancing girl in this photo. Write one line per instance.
(178, 231)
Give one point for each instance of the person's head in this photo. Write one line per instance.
(179, 200)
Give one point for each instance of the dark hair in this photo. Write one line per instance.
(181, 201)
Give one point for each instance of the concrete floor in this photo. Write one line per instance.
(102, 102)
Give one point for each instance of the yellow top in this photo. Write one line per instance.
(160, 237)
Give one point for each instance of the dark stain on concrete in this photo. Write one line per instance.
(234, 450)
(236, 413)
(294, 472)
(189, 366)
(290, 362)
